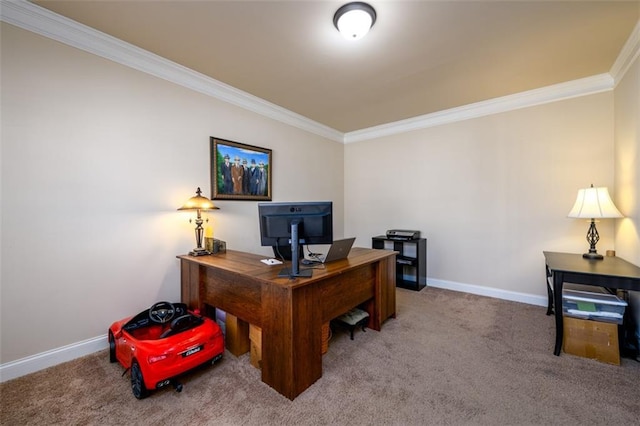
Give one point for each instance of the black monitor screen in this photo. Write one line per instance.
(294, 224)
(313, 219)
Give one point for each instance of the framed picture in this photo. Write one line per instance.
(240, 171)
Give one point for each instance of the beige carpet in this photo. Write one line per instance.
(447, 359)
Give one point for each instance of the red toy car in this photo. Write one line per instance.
(163, 342)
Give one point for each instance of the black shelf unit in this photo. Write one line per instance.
(411, 260)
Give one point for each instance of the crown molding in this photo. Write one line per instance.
(627, 56)
(556, 92)
(41, 21)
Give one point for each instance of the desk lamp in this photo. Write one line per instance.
(198, 203)
(594, 203)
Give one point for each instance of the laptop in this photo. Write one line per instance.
(339, 250)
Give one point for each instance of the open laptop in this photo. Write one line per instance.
(339, 250)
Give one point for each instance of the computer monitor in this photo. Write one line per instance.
(293, 224)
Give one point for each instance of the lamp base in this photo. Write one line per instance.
(593, 256)
(199, 252)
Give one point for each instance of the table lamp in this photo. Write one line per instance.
(594, 203)
(199, 203)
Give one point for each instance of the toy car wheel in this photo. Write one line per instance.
(112, 347)
(137, 382)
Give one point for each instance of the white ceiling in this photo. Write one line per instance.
(420, 56)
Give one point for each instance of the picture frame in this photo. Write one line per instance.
(240, 171)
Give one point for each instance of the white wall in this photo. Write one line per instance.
(96, 158)
(627, 171)
(489, 194)
(627, 163)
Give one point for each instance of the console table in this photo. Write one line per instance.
(290, 312)
(610, 272)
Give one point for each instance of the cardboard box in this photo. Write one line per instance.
(591, 339)
(255, 336)
(326, 332)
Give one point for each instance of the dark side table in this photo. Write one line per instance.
(610, 272)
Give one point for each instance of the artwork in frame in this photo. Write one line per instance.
(240, 171)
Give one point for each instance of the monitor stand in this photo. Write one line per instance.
(288, 273)
(295, 271)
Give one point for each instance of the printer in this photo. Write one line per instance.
(402, 234)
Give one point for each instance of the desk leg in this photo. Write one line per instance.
(549, 290)
(291, 338)
(558, 278)
(190, 285)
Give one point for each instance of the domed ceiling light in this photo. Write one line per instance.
(354, 20)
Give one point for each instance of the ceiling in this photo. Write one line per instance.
(420, 56)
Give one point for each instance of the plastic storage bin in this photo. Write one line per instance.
(593, 306)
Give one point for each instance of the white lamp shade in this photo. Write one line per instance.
(593, 203)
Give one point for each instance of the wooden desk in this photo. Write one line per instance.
(610, 272)
(289, 312)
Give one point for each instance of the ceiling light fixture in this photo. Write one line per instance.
(354, 20)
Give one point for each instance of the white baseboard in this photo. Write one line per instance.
(31, 364)
(513, 296)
